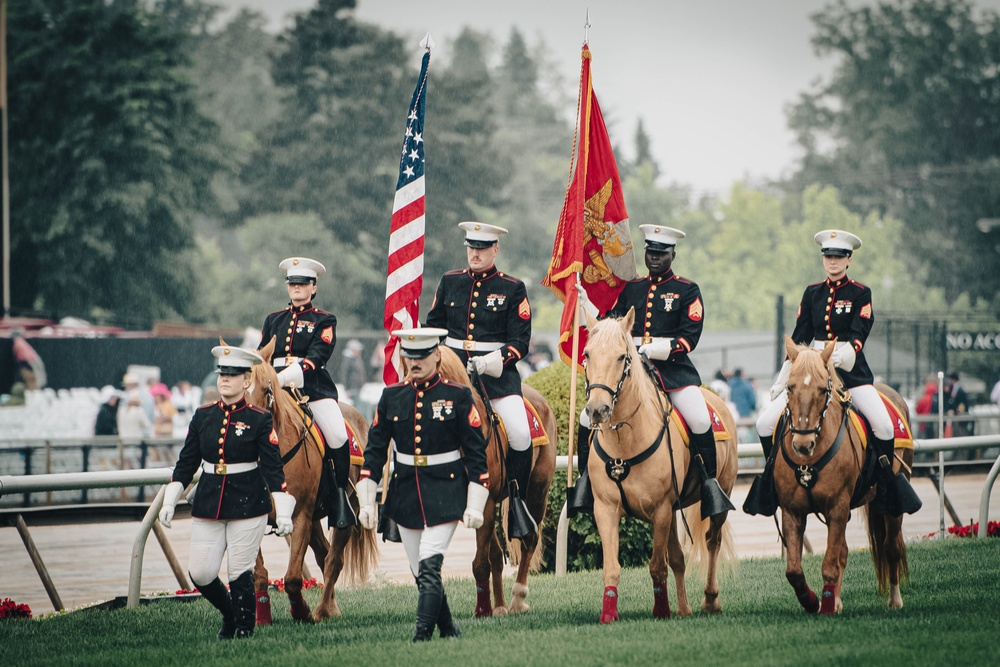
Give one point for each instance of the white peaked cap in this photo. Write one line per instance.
(837, 242)
(235, 359)
(302, 267)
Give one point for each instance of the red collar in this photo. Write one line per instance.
(489, 273)
(428, 383)
(300, 309)
(238, 405)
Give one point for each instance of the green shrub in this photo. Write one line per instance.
(584, 543)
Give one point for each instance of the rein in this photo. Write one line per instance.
(290, 454)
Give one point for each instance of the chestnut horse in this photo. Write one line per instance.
(354, 550)
(523, 553)
(827, 453)
(634, 427)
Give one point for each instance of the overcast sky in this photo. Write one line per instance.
(710, 79)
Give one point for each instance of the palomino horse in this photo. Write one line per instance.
(819, 464)
(354, 550)
(524, 553)
(651, 462)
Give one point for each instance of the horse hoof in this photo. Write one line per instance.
(301, 612)
(500, 611)
(608, 618)
(482, 612)
(518, 604)
(713, 607)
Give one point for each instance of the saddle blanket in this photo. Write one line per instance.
(539, 437)
(357, 456)
(721, 433)
(901, 430)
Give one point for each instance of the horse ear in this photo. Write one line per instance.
(266, 351)
(629, 320)
(222, 342)
(828, 349)
(591, 321)
(791, 349)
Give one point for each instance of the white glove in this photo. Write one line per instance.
(170, 498)
(367, 489)
(474, 505)
(658, 350)
(488, 364)
(843, 356)
(585, 302)
(291, 375)
(284, 505)
(779, 384)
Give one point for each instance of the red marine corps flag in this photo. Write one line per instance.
(593, 242)
(406, 237)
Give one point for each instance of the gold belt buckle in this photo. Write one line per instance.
(646, 340)
(220, 468)
(469, 345)
(420, 460)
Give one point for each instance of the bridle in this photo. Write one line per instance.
(822, 415)
(615, 393)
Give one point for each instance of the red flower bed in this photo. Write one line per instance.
(10, 609)
(992, 529)
(306, 584)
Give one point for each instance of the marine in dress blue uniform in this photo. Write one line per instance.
(236, 449)
(669, 317)
(488, 319)
(305, 338)
(840, 309)
(440, 474)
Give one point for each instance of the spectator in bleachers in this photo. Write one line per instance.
(742, 394)
(186, 398)
(107, 414)
(132, 419)
(927, 405)
(132, 388)
(163, 420)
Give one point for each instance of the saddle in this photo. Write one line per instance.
(903, 439)
(539, 438)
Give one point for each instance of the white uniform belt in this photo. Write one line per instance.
(471, 345)
(646, 340)
(281, 362)
(227, 468)
(421, 460)
(821, 344)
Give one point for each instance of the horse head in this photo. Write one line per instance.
(608, 359)
(811, 384)
(264, 379)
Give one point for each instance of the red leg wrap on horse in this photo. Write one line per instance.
(263, 608)
(299, 608)
(484, 605)
(661, 603)
(829, 604)
(808, 600)
(609, 610)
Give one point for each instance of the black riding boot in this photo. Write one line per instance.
(581, 497)
(341, 513)
(431, 593)
(713, 498)
(217, 594)
(244, 604)
(445, 622)
(761, 498)
(893, 496)
(520, 523)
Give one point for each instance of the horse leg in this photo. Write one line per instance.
(834, 559)
(496, 572)
(293, 575)
(519, 591)
(675, 556)
(481, 561)
(331, 572)
(710, 604)
(794, 526)
(261, 592)
(662, 525)
(607, 519)
(895, 554)
(319, 544)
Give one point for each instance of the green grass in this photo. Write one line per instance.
(951, 617)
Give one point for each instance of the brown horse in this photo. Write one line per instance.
(524, 553)
(823, 480)
(636, 431)
(354, 550)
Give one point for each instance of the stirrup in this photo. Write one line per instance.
(342, 514)
(761, 499)
(713, 499)
(581, 497)
(520, 523)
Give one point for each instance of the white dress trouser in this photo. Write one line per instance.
(690, 402)
(421, 543)
(515, 420)
(330, 420)
(239, 538)
(865, 398)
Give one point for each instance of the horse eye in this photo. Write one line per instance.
(621, 358)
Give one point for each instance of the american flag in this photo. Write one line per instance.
(406, 237)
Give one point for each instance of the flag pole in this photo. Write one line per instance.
(571, 444)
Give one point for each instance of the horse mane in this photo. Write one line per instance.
(283, 412)
(812, 364)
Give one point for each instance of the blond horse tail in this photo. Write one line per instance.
(880, 558)
(698, 547)
(360, 557)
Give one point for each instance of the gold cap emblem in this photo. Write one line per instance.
(478, 227)
(295, 262)
(226, 351)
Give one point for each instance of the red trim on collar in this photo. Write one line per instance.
(427, 384)
(238, 405)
